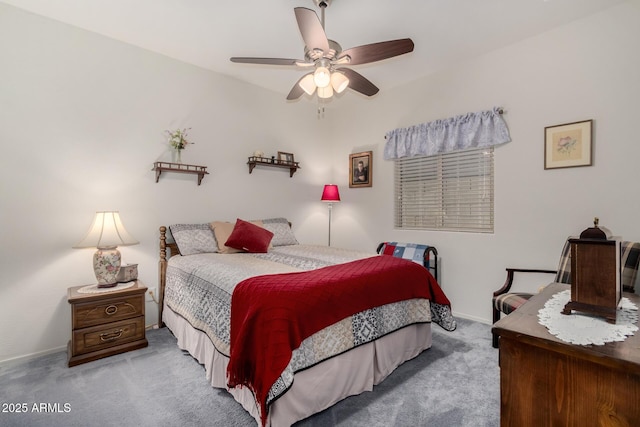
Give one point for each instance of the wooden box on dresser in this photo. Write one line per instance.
(106, 323)
(548, 382)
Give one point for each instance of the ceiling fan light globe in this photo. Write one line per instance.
(339, 82)
(307, 84)
(322, 77)
(325, 92)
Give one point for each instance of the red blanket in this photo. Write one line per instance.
(271, 315)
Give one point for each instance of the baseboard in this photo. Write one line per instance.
(469, 317)
(49, 351)
(25, 357)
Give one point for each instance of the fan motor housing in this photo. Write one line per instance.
(312, 55)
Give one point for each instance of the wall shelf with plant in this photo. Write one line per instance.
(160, 167)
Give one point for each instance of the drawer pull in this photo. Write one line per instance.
(106, 337)
(111, 309)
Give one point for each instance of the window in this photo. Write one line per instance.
(452, 191)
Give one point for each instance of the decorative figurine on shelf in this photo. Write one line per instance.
(178, 140)
(258, 154)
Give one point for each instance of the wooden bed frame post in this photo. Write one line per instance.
(162, 267)
(162, 273)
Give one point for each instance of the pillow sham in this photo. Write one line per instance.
(194, 238)
(222, 230)
(249, 237)
(282, 233)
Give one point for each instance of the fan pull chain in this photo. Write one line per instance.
(320, 109)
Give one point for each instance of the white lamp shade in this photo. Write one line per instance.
(307, 84)
(107, 231)
(339, 81)
(322, 77)
(325, 92)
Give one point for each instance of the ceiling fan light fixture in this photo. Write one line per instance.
(339, 81)
(325, 92)
(326, 57)
(307, 84)
(322, 76)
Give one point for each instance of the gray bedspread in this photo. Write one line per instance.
(199, 288)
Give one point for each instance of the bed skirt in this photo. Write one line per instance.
(316, 388)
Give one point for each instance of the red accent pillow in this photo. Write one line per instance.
(249, 237)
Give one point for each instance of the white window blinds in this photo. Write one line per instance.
(452, 191)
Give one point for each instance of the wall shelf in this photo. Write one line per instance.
(274, 163)
(160, 167)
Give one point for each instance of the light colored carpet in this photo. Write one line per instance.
(455, 383)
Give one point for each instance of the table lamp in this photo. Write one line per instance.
(331, 195)
(106, 234)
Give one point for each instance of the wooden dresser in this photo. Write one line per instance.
(547, 382)
(106, 323)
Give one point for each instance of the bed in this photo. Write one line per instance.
(311, 325)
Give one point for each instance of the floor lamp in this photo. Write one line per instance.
(331, 195)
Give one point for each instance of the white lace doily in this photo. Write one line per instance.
(583, 329)
(94, 289)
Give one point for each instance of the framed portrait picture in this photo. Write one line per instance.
(361, 169)
(568, 145)
(285, 157)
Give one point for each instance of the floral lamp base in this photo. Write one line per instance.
(106, 265)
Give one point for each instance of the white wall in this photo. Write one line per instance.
(585, 70)
(81, 122)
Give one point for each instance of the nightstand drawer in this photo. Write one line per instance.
(106, 311)
(99, 337)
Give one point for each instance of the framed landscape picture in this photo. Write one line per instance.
(361, 169)
(568, 145)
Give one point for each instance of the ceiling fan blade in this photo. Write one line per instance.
(296, 91)
(377, 51)
(265, 61)
(359, 83)
(311, 29)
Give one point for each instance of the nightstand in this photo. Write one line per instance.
(106, 323)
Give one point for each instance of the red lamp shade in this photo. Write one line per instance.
(330, 193)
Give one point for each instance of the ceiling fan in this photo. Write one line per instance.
(327, 59)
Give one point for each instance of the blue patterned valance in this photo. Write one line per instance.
(472, 130)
